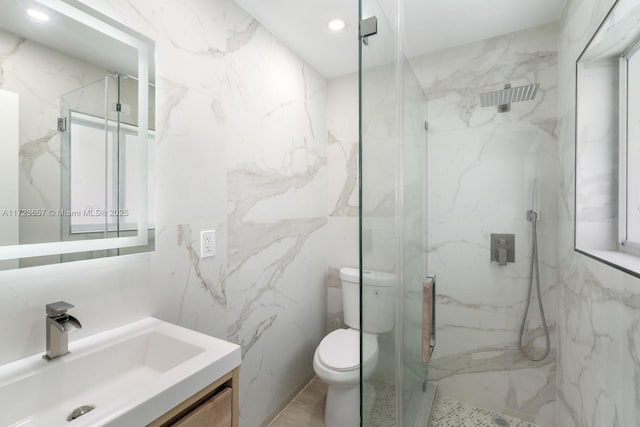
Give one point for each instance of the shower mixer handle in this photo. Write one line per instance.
(503, 248)
(502, 252)
(532, 216)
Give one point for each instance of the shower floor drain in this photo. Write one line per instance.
(501, 422)
(78, 412)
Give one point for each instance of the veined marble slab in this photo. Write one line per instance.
(598, 326)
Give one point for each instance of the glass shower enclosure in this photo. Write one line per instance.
(393, 234)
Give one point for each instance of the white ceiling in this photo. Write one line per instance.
(302, 25)
(429, 25)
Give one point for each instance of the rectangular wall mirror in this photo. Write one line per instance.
(77, 135)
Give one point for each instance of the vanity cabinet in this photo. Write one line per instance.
(215, 412)
(214, 406)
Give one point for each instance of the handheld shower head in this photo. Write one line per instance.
(532, 216)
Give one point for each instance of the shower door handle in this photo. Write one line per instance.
(428, 318)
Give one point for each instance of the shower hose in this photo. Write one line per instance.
(533, 216)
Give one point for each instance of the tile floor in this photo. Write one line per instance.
(449, 412)
(379, 403)
(307, 410)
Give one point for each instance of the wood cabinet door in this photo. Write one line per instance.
(215, 412)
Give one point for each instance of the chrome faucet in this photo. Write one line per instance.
(58, 325)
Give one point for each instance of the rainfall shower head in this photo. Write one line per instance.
(505, 97)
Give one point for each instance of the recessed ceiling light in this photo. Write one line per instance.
(336, 25)
(37, 15)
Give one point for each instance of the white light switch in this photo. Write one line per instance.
(207, 243)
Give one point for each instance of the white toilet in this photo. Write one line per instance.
(337, 358)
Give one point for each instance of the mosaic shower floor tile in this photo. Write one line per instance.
(449, 412)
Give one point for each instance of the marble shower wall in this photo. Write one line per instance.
(241, 148)
(343, 200)
(599, 322)
(481, 168)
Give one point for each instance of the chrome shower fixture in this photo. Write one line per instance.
(533, 217)
(503, 98)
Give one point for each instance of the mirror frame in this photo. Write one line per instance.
(145, 47)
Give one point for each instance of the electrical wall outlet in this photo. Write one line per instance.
(207, 243)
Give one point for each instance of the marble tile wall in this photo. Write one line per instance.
(241, 148)
(599, 327)
(481, 168)
(276, 220)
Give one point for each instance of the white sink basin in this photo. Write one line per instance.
(132, 375)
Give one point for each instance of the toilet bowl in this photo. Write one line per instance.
(337, 363)
(337, 359)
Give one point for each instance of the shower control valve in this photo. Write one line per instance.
(503, 248)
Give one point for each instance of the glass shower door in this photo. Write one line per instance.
(413, 217)
(393, 224)
(379, 138)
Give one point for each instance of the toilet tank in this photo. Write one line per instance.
(378, 299)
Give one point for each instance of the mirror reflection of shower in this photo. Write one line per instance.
(532, 217)
(101, 159)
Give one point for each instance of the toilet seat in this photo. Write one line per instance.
(340, 350)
